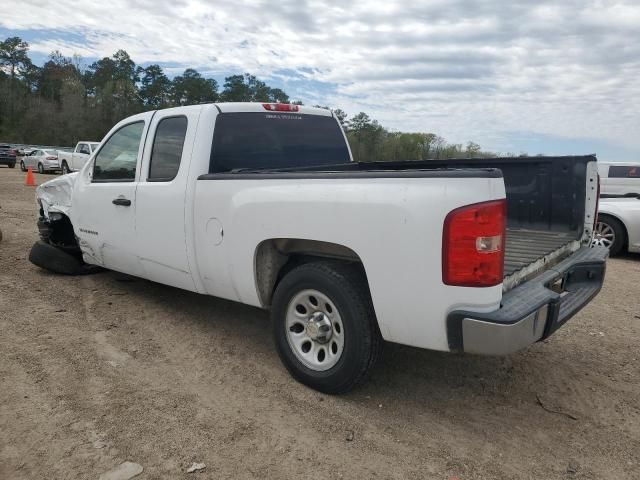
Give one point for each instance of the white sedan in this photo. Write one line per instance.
(618, 225)
(45, 160)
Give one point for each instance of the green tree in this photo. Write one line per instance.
(366, 138)
(235, 89)
(155, 86)
(56, 71)
(341, 115)
(248, 88)
(278, 95)
(13, 54)
(473, 150)
(112, 82)
(191, 88)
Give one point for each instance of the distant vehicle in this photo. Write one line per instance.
(7, 155)
(262, 204)
(74, 161)
(24, 151)
(619, 178)
(45, 160)
(618, 226)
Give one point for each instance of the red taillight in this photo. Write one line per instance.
(51, 158)
(473, 245)
(281, 107)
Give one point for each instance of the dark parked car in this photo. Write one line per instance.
(7, 155)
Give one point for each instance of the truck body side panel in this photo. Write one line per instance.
(393, 224)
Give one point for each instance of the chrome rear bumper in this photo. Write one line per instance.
(532, 311)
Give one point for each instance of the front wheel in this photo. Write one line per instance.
(65, 168)
(40, 168)
(12, 165)
(22, 167)
(324, 326)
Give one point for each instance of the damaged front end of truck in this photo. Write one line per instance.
(58, 249)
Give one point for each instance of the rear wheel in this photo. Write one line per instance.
(12, 165)
(22, 166)
(65, 168)
(40, 168)
(325, 327)
(610, 233)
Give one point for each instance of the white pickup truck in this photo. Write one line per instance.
(74, 161)
(262, 204)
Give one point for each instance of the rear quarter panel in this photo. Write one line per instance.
(393, 224)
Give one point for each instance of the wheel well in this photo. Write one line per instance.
(274, 258)
(58, 231)
(624, 227)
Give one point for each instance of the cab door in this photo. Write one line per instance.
(104, 203)
(161, 197)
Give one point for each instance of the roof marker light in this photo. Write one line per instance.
(281, 107)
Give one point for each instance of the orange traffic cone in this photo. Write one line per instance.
(30, 182)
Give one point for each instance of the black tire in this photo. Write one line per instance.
(620, 233)
(65, 168)
(40, 168)
(45, 255)
(22, 167)
(346, 287)
(12, 165)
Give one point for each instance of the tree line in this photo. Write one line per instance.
(64, 101)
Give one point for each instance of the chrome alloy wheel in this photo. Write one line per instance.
(604, 235)
(314, 330)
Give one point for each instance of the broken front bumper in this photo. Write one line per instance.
(533, 310)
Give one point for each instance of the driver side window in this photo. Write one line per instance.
(118, 157)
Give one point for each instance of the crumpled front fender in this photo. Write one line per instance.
(55, 195)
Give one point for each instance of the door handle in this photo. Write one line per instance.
(125, 202)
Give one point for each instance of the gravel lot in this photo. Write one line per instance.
(103, 369)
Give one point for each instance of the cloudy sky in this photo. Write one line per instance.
(553, 77)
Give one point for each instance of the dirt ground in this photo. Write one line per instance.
(102, 369)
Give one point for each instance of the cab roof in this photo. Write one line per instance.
(276, 108)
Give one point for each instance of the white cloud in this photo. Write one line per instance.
(467, 70)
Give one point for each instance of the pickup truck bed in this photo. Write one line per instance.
(526, 247)
(545, 210)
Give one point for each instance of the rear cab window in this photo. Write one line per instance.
(256, 140)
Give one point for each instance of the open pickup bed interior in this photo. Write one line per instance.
(546, 199)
